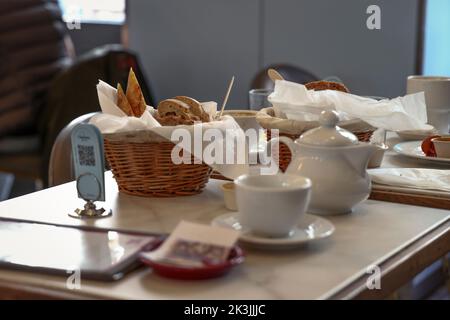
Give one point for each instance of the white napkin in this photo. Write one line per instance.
(426, 179)
(114, 120)
(294, 101)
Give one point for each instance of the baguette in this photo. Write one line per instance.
(122, 101)
(135, 96)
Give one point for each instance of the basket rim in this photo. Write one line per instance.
(138, 136)
(267, 119)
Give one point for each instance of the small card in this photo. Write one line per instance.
(195, 245)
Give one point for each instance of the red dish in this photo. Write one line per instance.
(236, 257)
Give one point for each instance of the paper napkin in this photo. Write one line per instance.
(194, 245)
(425, 179)
(293, 101)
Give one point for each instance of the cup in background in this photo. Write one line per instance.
(442, 147)
(258, 99)
(246, 119)
(437, 96)
(272, 205)
(377, 157)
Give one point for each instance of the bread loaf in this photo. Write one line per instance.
(326, 85)
(196, 108)
(180, 110)
(173, 107)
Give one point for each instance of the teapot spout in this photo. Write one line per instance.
(360, 156)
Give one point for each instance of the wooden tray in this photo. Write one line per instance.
(422, 198)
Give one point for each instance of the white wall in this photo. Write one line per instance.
(330, 37)
(194, 47)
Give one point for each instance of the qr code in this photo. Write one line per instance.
(86, 155)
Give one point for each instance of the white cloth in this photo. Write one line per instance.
(293, 101)
(425, 179)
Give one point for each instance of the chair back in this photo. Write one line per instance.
(60, 169)
(73, 93)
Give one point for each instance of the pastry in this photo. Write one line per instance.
(135, 96)
(122, 101)
(326, 85)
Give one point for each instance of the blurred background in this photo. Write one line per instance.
(54, 51)
(194, 47)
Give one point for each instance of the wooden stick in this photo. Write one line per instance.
(230, 86)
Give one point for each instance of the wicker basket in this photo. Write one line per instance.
(142, 166)
(362, 132)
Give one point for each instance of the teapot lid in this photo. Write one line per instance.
(328, 134)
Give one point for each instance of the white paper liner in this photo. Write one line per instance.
(294, 102)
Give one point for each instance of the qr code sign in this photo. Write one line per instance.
(86, 155)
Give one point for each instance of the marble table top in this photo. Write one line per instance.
(372, 233)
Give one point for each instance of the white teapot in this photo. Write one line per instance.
(335, 161)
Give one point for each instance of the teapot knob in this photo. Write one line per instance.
(328, 119)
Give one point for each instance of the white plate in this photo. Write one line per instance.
(416, 134)
(413, 149)
(310, 228)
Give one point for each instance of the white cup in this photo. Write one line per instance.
(442, 147)
(437, 97)
(272, 205)
(246, 119)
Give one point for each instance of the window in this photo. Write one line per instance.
(437, 38)
(94, 11)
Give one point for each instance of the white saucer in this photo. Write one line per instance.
(409, 135)
(310, 228)
(413, 149)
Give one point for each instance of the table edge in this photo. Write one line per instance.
(402, 266)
